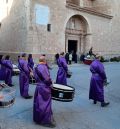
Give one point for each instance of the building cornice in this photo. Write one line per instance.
(88, 10)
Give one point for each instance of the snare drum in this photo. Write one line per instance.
(62, 93)
(7, 95)
(16, 71)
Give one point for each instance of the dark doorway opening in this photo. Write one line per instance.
(72, 46)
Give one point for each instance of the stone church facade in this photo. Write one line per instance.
(52, 26)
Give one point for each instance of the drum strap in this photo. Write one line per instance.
(22, 68)
(47, 82)
(39, 74)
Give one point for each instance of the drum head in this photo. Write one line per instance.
(63, 87)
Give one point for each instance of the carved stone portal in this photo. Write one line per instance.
(76, 33)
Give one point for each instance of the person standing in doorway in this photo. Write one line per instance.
(67, 57)
(70, 58)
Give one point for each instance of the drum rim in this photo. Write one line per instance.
(7, 104)
(73, 89)
(62, 100)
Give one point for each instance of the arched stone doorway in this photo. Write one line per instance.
(76, 34)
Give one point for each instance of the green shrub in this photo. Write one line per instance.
(102, 59)
(116, 59)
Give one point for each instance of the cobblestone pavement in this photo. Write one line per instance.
(81, 113)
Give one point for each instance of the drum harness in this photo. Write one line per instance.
(40, 75)
(22, 68)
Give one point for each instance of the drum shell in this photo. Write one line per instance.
(88, 61)
(15, 72)
(63, 95)
(8, 96)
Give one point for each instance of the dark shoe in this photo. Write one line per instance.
(51, 125)
(11, 85)
(28, 97)
(104, 104)
(95, 102)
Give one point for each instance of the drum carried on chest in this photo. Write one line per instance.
(7, 95)
(62, 93)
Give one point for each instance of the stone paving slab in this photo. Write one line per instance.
(78, 114)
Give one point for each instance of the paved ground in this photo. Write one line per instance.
(79, 114)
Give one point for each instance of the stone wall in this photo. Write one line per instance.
(13, 31)
(104, 6)
(39, 39)
(22, 32)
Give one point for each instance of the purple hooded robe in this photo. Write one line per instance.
(42, 112)
(96, 85)
(24, 77)
(8, 73)
(31, 63)
(2, 70)
(62, 71)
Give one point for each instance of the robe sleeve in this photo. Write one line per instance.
(9, 64)
(46, 76)
(64, 64)
(102, 73)
(98, 68)
(26, 68)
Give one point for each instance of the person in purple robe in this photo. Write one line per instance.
(96, 92)
(42, 108)
(30, 61)
(18, 58)
(47, 62)
(62, 71)
(2, 68)
(24, 76)
(9, 69)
